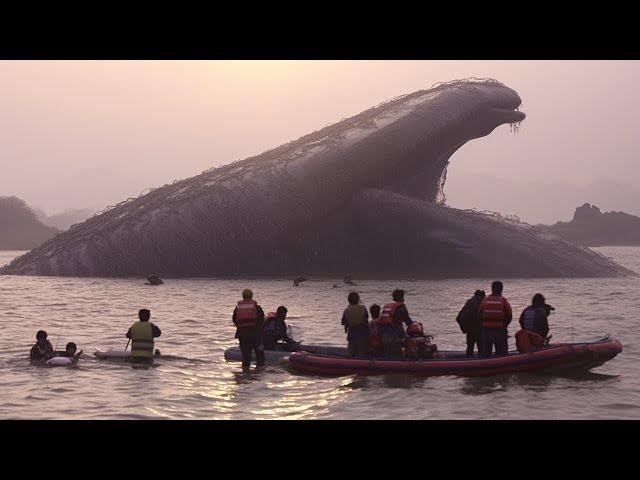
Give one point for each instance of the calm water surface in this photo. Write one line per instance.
(194, 316)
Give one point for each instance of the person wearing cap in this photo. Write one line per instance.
(42, 350)
(248, 317)
(469, 321)
(534, 324)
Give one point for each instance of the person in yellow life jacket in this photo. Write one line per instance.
(142, 334)
(248, 317)
(495, 316)
(356, 325)
(393, 315)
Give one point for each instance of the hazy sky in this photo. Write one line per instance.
(79, 134)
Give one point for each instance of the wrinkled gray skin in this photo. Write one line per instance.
(359, 197)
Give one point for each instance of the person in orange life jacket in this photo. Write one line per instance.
(390, 325)
(275, 329)
(469, 321)
(534, 324)
(356, 325)
(494, 315)
(248, 317)
(375, 339)
(142, 338)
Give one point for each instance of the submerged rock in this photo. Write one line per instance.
(364, 195)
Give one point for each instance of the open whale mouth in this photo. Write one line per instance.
(508, 115)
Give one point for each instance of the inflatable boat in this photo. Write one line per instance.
(233, 354)
(553, 358)
(60, 361)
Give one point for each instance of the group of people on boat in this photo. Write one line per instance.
(140, 334)
(390, 332)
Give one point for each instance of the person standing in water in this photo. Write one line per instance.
(142, 334)
(248, 317)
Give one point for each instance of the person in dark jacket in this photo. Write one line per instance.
(248, 317)
(42, 350)
(275, 329)
(356, 325)
(469, 322)
(534, 324)
(393, 315)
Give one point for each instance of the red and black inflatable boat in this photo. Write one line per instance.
(553, 358)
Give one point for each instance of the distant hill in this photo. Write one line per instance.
(20, 229)
(65, 219)
(591, 227)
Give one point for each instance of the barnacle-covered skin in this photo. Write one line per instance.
(363, 196)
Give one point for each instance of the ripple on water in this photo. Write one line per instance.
(193, 381)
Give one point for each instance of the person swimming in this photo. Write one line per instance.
(42, 350)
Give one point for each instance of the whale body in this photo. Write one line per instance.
(363, 196)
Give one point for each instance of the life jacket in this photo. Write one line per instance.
(142, 340)
(355, 316)
(269, 321)
(493, 314)
(246, 314)
(388, 313)
(528, 340)
(375, 340)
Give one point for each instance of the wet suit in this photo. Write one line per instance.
(250, 339)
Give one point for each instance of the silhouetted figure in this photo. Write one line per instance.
(393, 315)
(248, 317)
(42, 350)
(494, 315)
(275, 329)
(356, 325)
(534, 325)
(469, 321)
(375, 339)
(142, 334)
(154, 280)
(348, 281)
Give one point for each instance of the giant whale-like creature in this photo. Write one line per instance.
(362, 197)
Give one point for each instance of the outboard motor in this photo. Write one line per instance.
(418, 345)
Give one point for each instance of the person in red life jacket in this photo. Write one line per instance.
(356, 325)
(469, 321)
(494, 315)
(534, 324)
(375, 339)
(248, 318)
(275, 329)
(393, 315)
